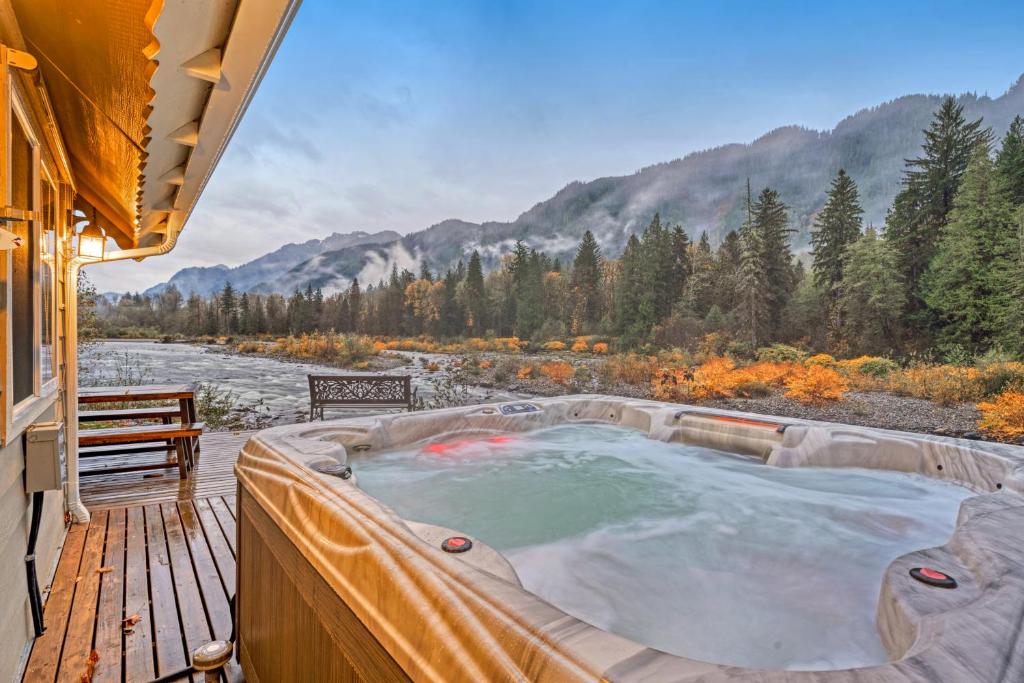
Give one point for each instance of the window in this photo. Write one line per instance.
(24, 264)
(47, 278)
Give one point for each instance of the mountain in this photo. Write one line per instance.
(702, 191)
(261, 273)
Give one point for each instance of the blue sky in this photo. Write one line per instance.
(393, 114)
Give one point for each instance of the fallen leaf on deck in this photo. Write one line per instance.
(104, 570)
(129, 624)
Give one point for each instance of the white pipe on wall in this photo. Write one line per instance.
(79, 513)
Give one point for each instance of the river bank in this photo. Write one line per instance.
(271, 380)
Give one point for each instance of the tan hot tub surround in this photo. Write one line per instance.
(333, 585)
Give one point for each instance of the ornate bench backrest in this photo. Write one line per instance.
(363, 391)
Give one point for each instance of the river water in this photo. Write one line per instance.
(282, 386)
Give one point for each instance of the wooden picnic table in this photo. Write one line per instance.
(117, 440)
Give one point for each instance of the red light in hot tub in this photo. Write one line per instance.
(447, 446)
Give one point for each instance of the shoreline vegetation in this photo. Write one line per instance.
(980, 400)
(927, 313)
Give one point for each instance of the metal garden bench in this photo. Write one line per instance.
(359, 391)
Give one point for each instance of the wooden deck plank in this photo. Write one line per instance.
(79, 636)
(223, 553)
(224, 512)
(190, 602)
(211, 586)
(167, 636)
(213, 476)
(45, 657)
(138, 643)
(110, 612)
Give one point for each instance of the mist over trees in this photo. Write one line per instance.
(946, 272)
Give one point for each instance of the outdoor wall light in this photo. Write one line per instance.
(92, 243)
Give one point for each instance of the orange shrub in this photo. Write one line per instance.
(771, 373)
(630, 368)
(816, 385)
(555, 346)
(600, 348)
(822, 359)
(484, 364)
(672, 384)
(714, 379)
(580, 345)
(525, 372)
(1003, 418)
(560, 372)
(945, 384)
(379, 346)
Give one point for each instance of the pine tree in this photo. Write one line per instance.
(871, 296)
(355, 305)
(967, 282)
(703, 285)
(930, 183)
(585, 285)
(771, 224)
(228, 309)
(1010, 162)
(627, 293)
(837, 226)
(752, 306)
(475, 297)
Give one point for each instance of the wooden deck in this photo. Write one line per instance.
(149, 579)
(213, 476)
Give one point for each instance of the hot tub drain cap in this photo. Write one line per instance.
(456, 544)
(933, 577)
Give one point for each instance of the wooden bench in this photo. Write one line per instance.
(359, 391)
(167, 414)
(181, 434)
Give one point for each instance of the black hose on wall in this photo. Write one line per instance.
(35, 600)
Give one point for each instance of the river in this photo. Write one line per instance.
(281, 385)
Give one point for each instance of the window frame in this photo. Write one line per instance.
(17, 417)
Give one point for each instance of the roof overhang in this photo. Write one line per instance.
(147, 94)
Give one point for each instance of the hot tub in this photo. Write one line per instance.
(596, 538)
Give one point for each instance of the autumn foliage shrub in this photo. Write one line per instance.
(945, 384)
(997, 377)
(554, 346)
(816, 384)
(822, 359)
(1003, 417)
(600, 348)
(559, 373)
(580, 345)
(780, 353)
(873, 366)
(630, 368)
(525, 372)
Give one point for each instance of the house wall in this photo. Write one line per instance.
(16, 628)
(15, 517)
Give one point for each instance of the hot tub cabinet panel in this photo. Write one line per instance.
(334, 586)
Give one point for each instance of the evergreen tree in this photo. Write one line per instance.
(771, 225)
(1010, 162)
(838, 224)
(930, 183)
(871, 296)
(585, 285)
(627, 293)
(702, 284)
(752, 286)
(475, 297)
(967, 283)
(228, 309)
(244, 314)
(355, 305)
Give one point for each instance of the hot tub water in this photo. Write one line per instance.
(688, 550)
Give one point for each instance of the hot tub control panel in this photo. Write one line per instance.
(518, 408)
